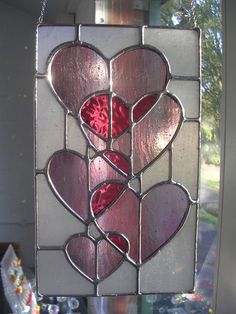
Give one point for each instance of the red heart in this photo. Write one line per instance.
(81, 251)
(96, 114)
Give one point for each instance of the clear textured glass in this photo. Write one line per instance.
(183, 60)
(47, 39)
(47, 109)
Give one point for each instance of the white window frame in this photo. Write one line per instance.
(225, 292)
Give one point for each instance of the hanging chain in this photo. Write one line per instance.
(42, 13)
(193, 12)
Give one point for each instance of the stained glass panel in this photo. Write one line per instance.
(125, 161)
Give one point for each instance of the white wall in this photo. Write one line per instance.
(17, 42)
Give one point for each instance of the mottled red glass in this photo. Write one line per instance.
(67, 174)
(105, 195)
(123, 217)
(120, 117)
(164, 209)
(81, 252)
(77, 72)
(155, 131)
(119, 161)
(119, 241)
(94, 140)
(108, 259)
(101, 171)
(95, 113)
(138, 72)
(143, 106)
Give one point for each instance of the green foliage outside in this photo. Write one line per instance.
(208, 18)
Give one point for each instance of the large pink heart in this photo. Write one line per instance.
(160, 214)
(82, 250)
(75, 72)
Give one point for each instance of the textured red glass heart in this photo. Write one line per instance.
(67, 175)
(143, 106)
(75, 72)
(81, 252)
(119, 161)
(153, 134)
(138, 72)
(105, 195)
(120, 117)
(96, 114)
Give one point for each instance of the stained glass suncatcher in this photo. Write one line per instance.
(117, 154)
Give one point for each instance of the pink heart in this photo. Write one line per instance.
(156, 131)
(81, 251)
(75, 72)
(138, 72)
(67, 175)
(163, 211)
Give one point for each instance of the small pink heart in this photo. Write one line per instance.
(81, 251)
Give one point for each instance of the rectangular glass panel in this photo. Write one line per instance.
(113, 149)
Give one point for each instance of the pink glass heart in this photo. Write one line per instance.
(81, 252)
(164, 210)
(67, 175)
(137, 72)
(101, 171)
(123, 217)
(156, 131)
(75, 72)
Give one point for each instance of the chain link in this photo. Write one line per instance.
(42, 13)
(193, 12)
